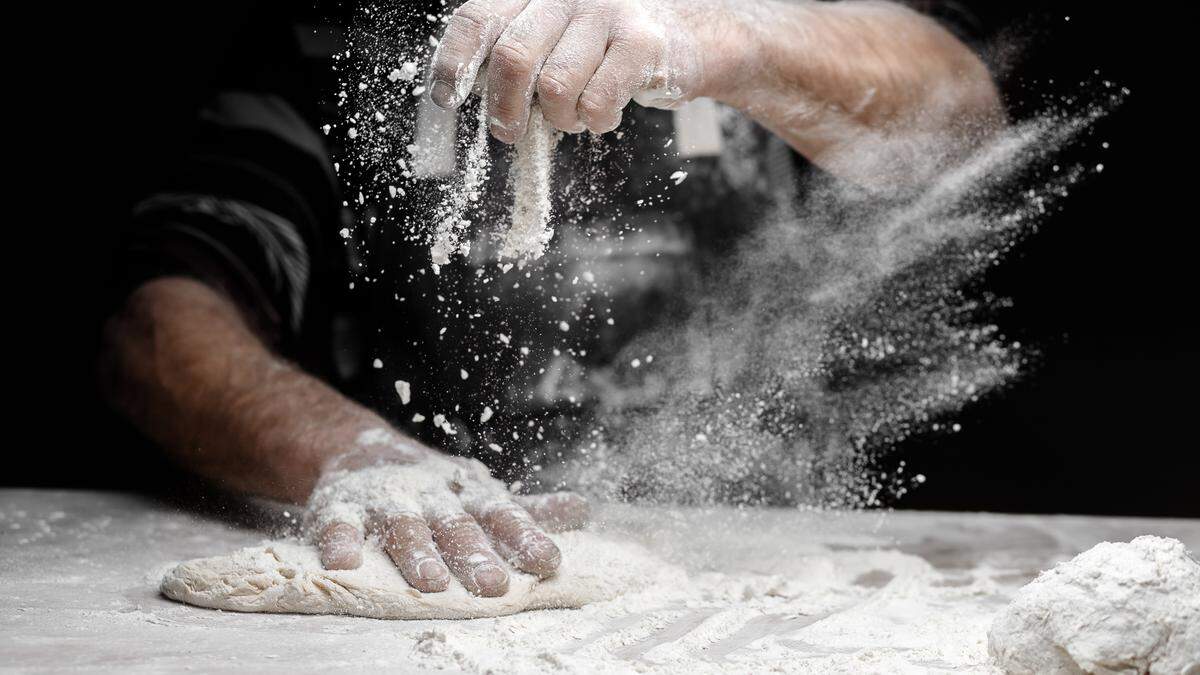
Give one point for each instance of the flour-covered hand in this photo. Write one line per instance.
(435, 516)
(584, 59)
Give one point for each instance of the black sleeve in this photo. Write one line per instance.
(249, 206)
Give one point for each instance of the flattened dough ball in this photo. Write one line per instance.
(284, 577)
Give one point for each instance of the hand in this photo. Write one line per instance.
(585, 59)
(435, 516)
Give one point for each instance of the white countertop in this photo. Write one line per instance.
(79, 573)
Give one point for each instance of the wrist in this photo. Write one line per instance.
(375, 443)
(299, 429)
(729, 42)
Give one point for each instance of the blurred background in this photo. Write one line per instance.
(1104, 290)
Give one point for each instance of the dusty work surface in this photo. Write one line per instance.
(767, 590)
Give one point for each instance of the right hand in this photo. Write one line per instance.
(435, 515)
(584, 59)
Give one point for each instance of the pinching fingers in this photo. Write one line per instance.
(569, 68)
(470, 34)
(515, 62)
(627, 67)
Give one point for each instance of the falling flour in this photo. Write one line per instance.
(529, 232)
(448, 239)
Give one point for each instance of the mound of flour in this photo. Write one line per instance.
(1117, 608)
(283, 577)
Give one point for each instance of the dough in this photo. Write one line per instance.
(1119, 607)
(288, 577)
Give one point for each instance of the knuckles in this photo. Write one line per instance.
(551, 83)
(599, 112)
(513, 65)
(556, 94)
(453, 522)
(467, 26)
(512, 61)
(635, 38)
(470, 21)
(594, 105)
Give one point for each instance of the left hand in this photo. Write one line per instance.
(585, 59)
(435, 516)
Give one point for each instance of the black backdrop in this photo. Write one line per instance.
(1103, 425)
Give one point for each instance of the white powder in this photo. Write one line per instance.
(529, 232)
(1119, 607)
(422, 486)
(848, 611)
(820, 618)
(451, 221)
(404, 390)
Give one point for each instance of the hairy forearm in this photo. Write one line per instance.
(871, 91)
(181, 363)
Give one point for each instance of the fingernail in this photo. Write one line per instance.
(545, 551)
(501, 131)
(489, 577)
(443, 94)
(430, 570)
(542, 559)
(342, 560)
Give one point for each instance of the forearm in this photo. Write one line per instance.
(871, 91)
(181, 363)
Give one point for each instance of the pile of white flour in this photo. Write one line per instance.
(1118, 608)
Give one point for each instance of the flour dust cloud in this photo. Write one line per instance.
(781, 368)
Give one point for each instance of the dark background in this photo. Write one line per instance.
(1103, 424)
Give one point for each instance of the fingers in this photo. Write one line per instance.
(341, 546)
(470, 34)
(466, 551)
(624, 71)
(519, 538)
(567, 70)
(515, 62)
(558, 511)
(409, 542)
(582, 62)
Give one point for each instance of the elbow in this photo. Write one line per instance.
(961, 112)
(154, 331)
(127, 345)
(121, 332)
